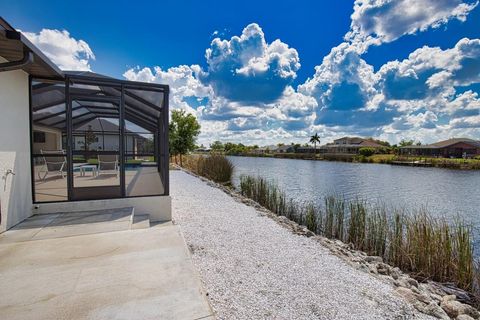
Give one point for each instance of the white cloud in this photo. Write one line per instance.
(65, 51)
(245, 94)
(247, 69)
(379, 21)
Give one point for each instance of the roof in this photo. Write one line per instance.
(284, 147)
(370, 143)
(446, 143)
(14, 45)
(97, 96)
(449, 142)
(353, 140)
(103, 125)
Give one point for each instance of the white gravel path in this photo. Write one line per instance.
(252, 268)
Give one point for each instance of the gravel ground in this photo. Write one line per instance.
(252, 268)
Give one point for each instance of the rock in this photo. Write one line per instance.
(357, 260)
(451, 289)
(383, 268)
(395, 274)
(412, 282)
(430, 308)
(407, 294)
(402, 282)
(424, 298)
(464, 317)
(371, 259)
(455, 308)
(372, 269)
(435, 310)
(450, 297)
(415, 289)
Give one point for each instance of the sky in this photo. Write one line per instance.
(258, 73)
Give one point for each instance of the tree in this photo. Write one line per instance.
(217, 146)
(90, 137)
(366, 151)
(405, 143)
(183, 132)
(315, 139)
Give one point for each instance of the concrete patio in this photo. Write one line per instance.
(138, 182)
(98, 265)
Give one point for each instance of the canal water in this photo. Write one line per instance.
(444, 192)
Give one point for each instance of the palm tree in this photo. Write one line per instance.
(315, 139)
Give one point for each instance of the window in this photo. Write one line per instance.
(38, 137)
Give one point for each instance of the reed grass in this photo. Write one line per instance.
(214, 167)
(426, 247)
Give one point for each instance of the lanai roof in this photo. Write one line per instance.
(143, 101)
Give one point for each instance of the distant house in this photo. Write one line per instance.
(285, 149)
(264, 150)
(306, 149)
(451, 148)
(348, 146)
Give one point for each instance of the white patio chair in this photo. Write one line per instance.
(107, 164)
(54, 161)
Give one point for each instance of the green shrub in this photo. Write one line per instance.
(366, 151)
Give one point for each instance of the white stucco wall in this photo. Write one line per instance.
(159, 208)
(15, 192)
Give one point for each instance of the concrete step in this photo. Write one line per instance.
(68, 224)
(140, 221)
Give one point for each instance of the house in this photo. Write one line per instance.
(307, 149)
(451, 148)
(48, 118)
(284, 149)
(264, 150)
(348, 146)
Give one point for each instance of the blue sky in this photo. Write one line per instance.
(259, 73)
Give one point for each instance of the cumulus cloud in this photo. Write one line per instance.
(247, 69)
(65, 51)
(245, 88)
(245, 93)
(379, 21)
(344, 88)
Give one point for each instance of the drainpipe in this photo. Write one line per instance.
(19, 64)
(27, 55)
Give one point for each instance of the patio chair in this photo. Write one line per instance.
(107, 163)
(54, 161)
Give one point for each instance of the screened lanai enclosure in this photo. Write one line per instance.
(95, 137)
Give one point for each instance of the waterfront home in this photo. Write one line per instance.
(306, 149)
(264, 150)
(348, 146)
(451, 148)
(285, 149)
(49, 115)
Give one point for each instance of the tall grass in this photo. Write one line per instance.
(214, 167)
(426, 247)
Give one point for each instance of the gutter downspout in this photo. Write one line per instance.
(19, 64)
(27, 55)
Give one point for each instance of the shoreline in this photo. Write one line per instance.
(440, 163)
(430, 298)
